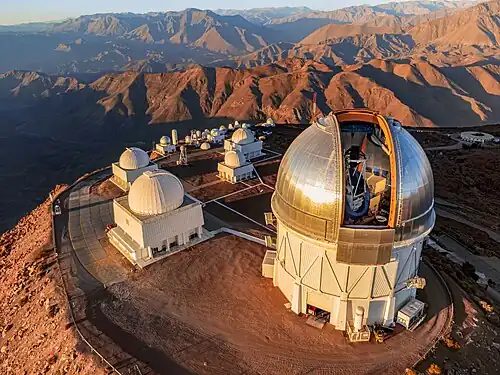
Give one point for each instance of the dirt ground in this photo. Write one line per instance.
(107, 189)
(433, 138)
(475, 331)
(477, 241)
(36, 337)
(209, 309)
(468, 177)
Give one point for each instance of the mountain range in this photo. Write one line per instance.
(430, 63)
(418, 93)
(171, 41)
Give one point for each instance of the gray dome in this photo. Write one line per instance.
(309, 196)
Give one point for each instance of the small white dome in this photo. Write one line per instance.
(205, 146)
(243, 136)
(234, 159)
(155, 192)
(165, 140)
(133, 158)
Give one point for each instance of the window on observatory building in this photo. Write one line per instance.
(367, 174)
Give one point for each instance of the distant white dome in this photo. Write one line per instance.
(133, 158)
(234, 159)
(205, 146)
(243, 136)
(155, 192)
(165, 140)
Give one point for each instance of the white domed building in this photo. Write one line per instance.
(235, 167)
(205, 146)
(243, 140)
(353, 204)
(133, 162)
(215, 136)
(155, 219)
(165, 146)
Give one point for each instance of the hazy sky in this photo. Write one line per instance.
(18, 11)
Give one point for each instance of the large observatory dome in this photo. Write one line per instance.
(155, 192)
(243, 136)
(133, 158)
(234, 159)
(311, 188)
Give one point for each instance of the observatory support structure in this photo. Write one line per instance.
(308, 273)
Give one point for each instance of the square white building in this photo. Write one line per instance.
(165, 146)
(243, 140)
(156, 219)
(234, 168)
(133, 162)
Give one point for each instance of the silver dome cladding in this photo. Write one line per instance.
(309, 196)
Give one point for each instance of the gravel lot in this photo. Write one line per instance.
(209, 310)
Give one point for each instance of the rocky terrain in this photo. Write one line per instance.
(36, 334)
(418, 93)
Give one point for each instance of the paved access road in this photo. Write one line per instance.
(88, 216)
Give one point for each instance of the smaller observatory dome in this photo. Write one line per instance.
(133, 158)
(234, 159)
(243, 136)
(165, 140)
(205, 146)
(155, 192)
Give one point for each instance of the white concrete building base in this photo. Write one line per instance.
(307, 273)
(129, 248)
